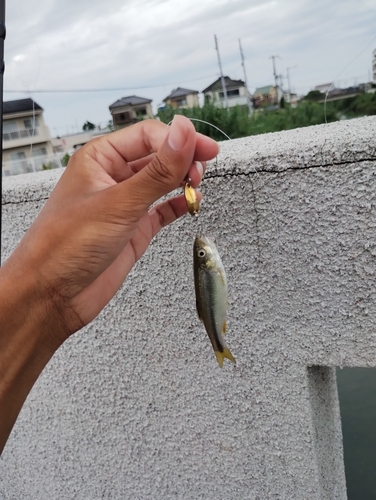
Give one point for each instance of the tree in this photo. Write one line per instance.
(88, 126)
(314, 95)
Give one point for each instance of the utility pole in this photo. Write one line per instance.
(288, 81)
(245, 79)
(275, 74)
(288, 84)
(220, 70)
(2, 38)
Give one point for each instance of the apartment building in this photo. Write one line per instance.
(26, 138)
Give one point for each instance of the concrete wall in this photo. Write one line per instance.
(136, 407)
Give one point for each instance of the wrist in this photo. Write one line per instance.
(27, 341)
(28, 311)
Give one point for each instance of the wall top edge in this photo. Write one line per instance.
(348, 141)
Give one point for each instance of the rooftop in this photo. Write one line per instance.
(229, 83)
(264, 90)
(20, 106)
(131, 100)
(180, 92)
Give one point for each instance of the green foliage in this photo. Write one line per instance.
(314, 95)
(364, 104)
(236, 121)
(48, 166)
(88, 126)
(64, 160)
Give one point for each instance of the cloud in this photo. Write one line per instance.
(163, 44)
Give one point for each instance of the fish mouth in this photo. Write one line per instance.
(200, 237)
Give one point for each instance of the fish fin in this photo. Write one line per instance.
(224, 328)
(198, 311)
(222, 276)
(224, 354)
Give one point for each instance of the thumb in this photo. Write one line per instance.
(168, 168)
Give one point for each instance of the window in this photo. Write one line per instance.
(230, 93)
(122, 117)
(141, 111)
(18, 156)
(31, 122)
(40, 152)
(181, 102)
(9, 127)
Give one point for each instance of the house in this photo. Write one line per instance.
(182, 98)
(266, 96)
(291, 98)
(237, 93)
(129, 110)
(26, 138)
(71, 142)
(325, 87)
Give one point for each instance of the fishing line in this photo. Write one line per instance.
(262, 182)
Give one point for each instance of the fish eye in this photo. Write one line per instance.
(201, 253)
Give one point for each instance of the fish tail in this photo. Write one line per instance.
(221, 355)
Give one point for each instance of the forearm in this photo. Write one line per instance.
(27, 341)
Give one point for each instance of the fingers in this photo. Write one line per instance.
(164, 173)
(146, 137)
(167, 212)
(95, 296)
(126, 151)
(196, 172)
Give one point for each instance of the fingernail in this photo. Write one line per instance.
(176, 137)
(199, 168)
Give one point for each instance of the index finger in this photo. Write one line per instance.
(146, 137)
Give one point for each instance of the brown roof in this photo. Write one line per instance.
(230, 84)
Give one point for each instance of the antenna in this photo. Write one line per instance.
(2, 38)
(275, 75)
(245, 78)
(220, 70)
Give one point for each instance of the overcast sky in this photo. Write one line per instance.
(149, 47)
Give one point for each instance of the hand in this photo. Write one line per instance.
(98, 221)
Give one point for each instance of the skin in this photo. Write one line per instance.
(96, 224)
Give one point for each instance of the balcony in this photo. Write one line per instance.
(24, 137)
(34, 164)
(29, 132)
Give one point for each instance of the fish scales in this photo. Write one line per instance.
(211, 294)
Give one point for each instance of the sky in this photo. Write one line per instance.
(117, 48)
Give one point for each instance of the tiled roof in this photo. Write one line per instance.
(20, 106)
(180, 92)
(230, 84)
(131, 100)
(263, 90)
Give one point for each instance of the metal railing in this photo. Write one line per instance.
(20, 134)
(36, 164)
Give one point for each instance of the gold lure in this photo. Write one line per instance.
(191, 199)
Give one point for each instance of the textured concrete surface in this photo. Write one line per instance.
(136, 407)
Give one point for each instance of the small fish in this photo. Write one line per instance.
(191, 199)
(211, 294)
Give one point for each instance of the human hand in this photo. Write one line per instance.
(98, 221)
